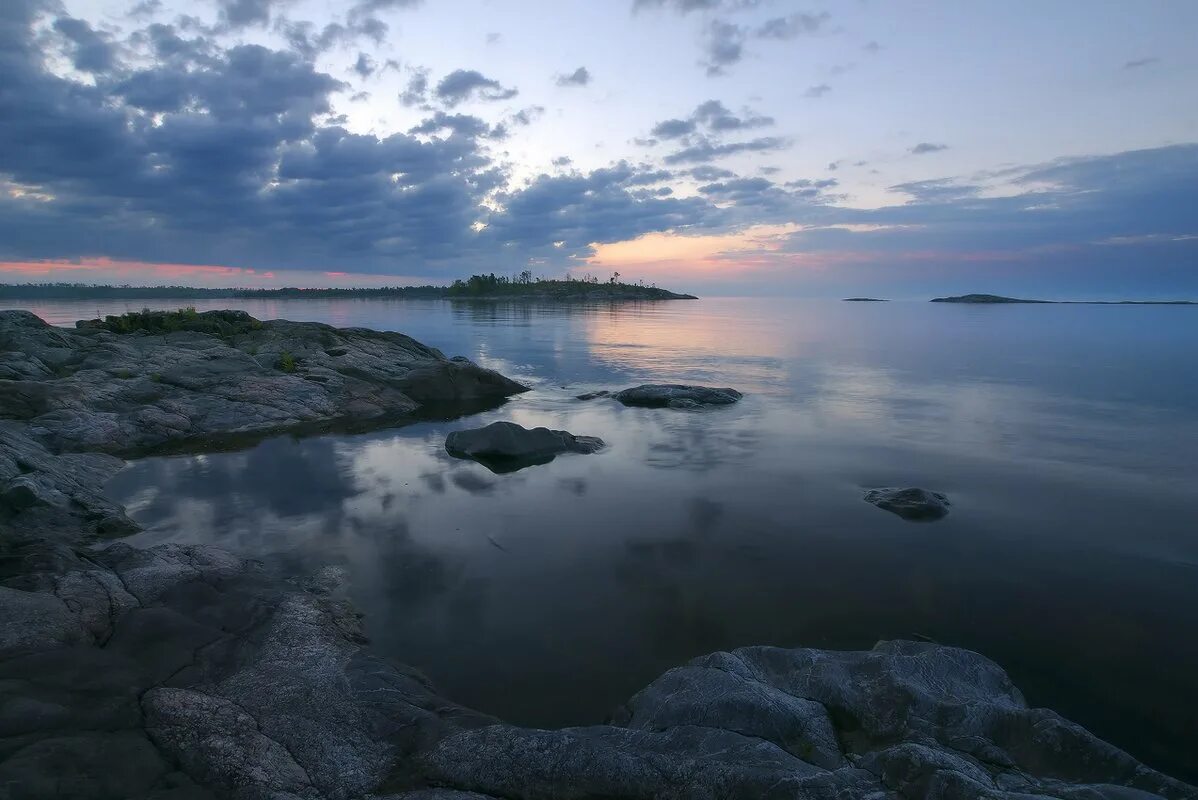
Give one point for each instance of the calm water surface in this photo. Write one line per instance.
(1064, 435)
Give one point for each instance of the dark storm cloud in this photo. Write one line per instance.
(709, 151)
(924, 148)
(579, 77)
(465, 84)
(227, 155)
(90, 52)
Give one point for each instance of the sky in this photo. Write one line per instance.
(892, 148)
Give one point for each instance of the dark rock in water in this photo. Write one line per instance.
(593, 395)
(663, 395)
(507, 447)
(910, 503)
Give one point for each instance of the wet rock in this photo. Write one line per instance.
(906, 719)
(676, 396)
(593, 395)
(506, 446)
(910, 503)
(106, 387)
(32, 621)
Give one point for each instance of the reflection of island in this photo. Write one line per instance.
(999, 299)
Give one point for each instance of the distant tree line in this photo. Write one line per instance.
(489, 285)
(82, 291)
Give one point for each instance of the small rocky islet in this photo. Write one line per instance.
(669, 395)
(507, 447)
(186, 673)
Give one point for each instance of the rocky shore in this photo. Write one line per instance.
(184, 672)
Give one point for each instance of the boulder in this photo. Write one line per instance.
(506, 446)
(661, 395)
(910, 503)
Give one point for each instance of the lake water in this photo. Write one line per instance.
(1065, 437)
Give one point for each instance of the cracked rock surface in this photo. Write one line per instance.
(185, 673)
(219, 372)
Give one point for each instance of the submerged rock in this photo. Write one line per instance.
(910, 503)
(507, 447)
(663, 395)
(593, 395)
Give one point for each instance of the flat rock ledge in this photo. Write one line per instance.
(182, 376)
(186, 673)
(673, 395)
(507, 447)
(919, 505)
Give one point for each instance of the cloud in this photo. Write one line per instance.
(243, 13)
(145, 8)
(680, 6)
(526, 116)
(674, 128)
(724, 41)
(712, 115)
(924, 148)
(366, 8)
(416, 92)
(724, 45)
(465, 84)
(710, 173)
(1141, 62)
(91, 52)
(817, 91)
(718, 118)
(710, 151)
(458, 124)
(579, 77)
(792, 26)
(364, 66)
